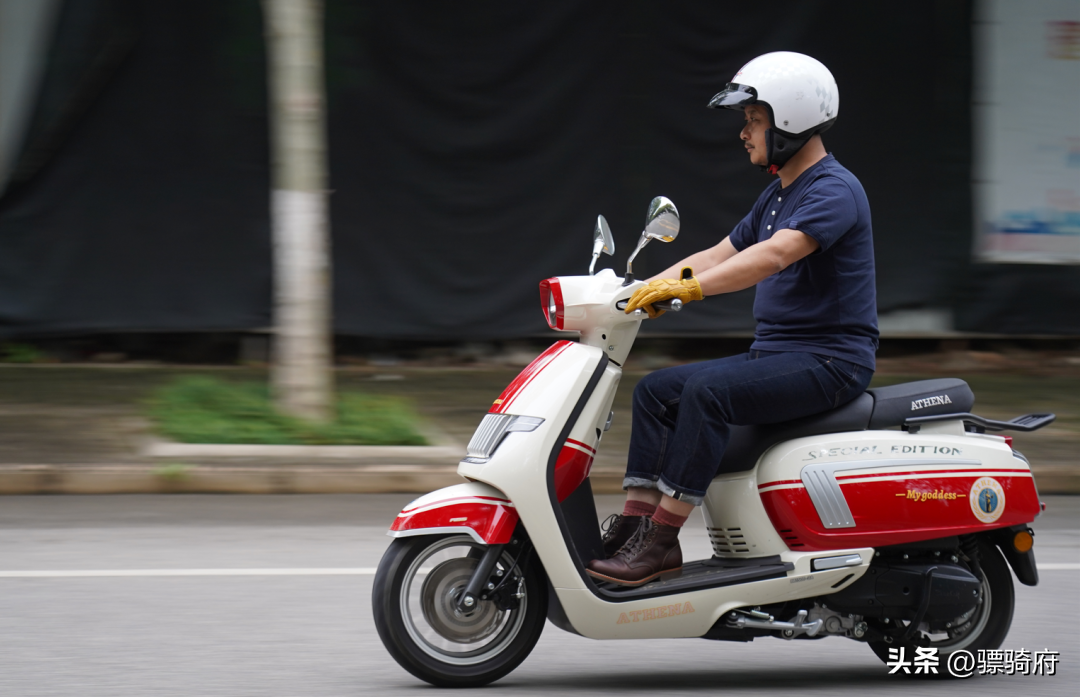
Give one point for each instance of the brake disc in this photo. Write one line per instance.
(438, 597)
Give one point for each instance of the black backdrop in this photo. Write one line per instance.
(472, 145)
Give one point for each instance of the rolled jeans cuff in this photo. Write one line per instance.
(638, 482)
(679, 495)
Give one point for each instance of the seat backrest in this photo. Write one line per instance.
(747, 443)
(895, 403)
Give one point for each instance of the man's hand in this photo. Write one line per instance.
(685, 289)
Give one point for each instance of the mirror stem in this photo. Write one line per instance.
(629, 278)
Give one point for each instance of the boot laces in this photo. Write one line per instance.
(640, 540)
(610, 526)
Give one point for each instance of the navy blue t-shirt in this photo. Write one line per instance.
(825, 303)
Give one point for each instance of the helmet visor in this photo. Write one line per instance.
(734, 96)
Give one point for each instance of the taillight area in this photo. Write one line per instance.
(1008, 441)
(551, 301)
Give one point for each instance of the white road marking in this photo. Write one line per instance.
(91, 573)
(362, 571)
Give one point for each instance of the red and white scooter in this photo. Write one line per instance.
(892, 520)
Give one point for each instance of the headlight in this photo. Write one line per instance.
(491, 431)
(551, 302)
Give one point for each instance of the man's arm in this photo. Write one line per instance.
(752, 265)
(705, 259)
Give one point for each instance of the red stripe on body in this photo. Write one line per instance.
(969, 470)
(446, 502)
(583, 445)
(527, 376)
(779, 481)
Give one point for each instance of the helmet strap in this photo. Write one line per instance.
(780, 148)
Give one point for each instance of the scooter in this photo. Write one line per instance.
(892, 520)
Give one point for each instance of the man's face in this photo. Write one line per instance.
(753, 133)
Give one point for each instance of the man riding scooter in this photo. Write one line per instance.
(807, 245)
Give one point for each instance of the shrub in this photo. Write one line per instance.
(209, 410)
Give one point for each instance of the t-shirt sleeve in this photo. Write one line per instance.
(743, 235)
(826, 212)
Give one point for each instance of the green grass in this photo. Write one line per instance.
(209, 410)
(19, 353)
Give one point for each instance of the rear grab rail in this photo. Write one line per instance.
(1025, 423)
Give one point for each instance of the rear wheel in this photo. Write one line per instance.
(985, 627)
(415, 605)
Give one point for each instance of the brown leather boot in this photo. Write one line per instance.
(652, 551)
(618, 529)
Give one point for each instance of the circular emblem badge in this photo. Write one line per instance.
(987, 499)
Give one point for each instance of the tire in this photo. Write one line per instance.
(991, 621)
(416, 585)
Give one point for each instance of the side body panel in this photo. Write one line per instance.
(578, 451)
(879, 488)
(736, 520)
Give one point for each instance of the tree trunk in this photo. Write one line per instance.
(301, 376)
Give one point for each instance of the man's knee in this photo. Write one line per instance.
(656, 386)
(708, 392)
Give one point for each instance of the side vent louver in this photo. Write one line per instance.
(790, 539)
(728, 541)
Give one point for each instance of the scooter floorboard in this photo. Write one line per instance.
(698, 575)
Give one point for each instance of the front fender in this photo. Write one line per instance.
(476, 509)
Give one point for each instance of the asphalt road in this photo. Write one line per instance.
(312, 635)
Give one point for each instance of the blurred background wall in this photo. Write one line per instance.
(472, 145)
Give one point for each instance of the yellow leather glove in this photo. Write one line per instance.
(685, 289)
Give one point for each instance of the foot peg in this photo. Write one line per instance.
(741, 619)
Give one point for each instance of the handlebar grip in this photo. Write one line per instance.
(673, 305)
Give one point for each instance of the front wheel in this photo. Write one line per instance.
(415, 606)
(984, 627)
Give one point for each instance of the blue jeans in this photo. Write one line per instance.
(682, 414)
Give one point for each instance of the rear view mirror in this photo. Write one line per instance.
(661, 223)
(602, 242)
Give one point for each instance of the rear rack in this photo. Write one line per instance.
(979, 424)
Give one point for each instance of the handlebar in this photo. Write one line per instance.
(673, 305)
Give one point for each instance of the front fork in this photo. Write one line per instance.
(480, 578)
(489, 583)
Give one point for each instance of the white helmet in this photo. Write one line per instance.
(799, 92)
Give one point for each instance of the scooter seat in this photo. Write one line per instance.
(877, 408)
(749, 442)
(896, 403)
